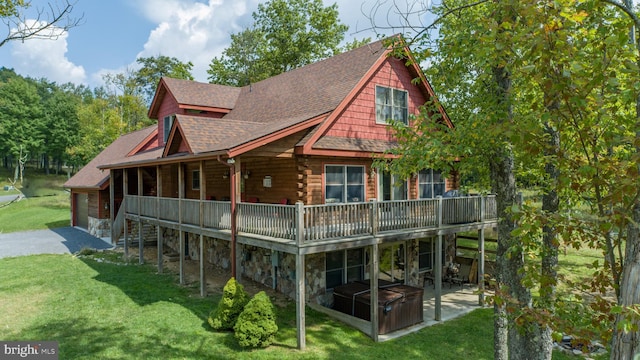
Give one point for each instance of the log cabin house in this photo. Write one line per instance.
(274, 181)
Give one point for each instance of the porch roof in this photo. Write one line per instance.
(92, 176)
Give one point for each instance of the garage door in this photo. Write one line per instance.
(82, 211)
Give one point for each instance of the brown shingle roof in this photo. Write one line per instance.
(209, 135)
(202, 94)
(281, 101)
(90, 177)
(308, 91)
(350, 144)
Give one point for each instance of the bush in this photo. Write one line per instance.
(234, 298)
(256, 325)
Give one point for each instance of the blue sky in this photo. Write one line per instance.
(116, 32)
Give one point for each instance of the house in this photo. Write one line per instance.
(90, 201)
(274, 180)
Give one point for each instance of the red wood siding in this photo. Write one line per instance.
(169, 106)
(359, 118)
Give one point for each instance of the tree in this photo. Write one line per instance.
(241, 63)
(286, 34)
(127, 96)
(153, 68)
(48, 23)
(100, 123)
(61, 124)
(21, 119)
(557, 72)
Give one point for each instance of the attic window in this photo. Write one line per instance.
(168, 122)
(391, 104)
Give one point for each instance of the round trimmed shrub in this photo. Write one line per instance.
(234, 298)
(256, 325)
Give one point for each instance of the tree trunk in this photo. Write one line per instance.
(45, 163)
(627, 345)
(543, 347)
(504, 186)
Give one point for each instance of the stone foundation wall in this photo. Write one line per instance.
(412, 277)
(99, 227)
(263, 265)
(267, 267)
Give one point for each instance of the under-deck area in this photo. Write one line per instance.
(455, 301)
(299, 233)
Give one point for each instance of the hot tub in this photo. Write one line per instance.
(399, 306)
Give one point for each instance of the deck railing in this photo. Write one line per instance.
(317, 222)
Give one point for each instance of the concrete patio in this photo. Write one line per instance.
(456, 301)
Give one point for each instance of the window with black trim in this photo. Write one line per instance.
(344, 183)
(391, 187)
(195, 180)
(391, 104)
(430, 184)
(168, 123)
(427, 254)
(343, 267)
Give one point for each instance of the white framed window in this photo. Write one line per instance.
(343, 267)
(391, 187)
(391, 104)
(195, 180)
(343, 183)
(168, 123)
(430, 184)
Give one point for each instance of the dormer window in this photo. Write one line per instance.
(168, 123)
(391, 104)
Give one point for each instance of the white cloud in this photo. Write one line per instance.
(46, 58)
(194, 31)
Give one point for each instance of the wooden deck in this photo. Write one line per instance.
(307, 229)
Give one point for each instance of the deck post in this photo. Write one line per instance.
(112, 207)
(203, 193)
(159, 232)
(180, 197)
(300, 301)
(140, 237)
(125, 192)
(374, 217)
(438, 266)
(300, 276)
(299, 223)
(373, 302)
(438, 279)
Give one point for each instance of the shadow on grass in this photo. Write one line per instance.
(57, 224)
(143, 285)
(84, 338)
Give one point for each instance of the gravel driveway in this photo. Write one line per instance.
(66, 240)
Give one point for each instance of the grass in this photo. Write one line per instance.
(98, 307)
(46, 204)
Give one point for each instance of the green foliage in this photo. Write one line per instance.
(286, 34)
(234, 299)
(11, 7)
(154, 68)
(256, 325)
(572, 74)
(22, 121)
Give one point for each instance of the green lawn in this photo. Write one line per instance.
(46, 204)
(104, 310)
